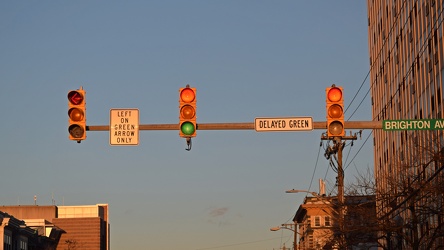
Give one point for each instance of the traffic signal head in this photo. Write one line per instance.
(335, 111)
(187, 112)
(77, 115)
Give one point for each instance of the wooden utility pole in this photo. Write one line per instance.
(336, 149)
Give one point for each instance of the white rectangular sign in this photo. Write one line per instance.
(283, 124)
(124, 127)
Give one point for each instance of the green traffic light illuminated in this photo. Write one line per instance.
(187, 128)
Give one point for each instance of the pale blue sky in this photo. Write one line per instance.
(247, 59)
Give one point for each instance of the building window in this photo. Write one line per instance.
(327, 221)
(7, 242)
(317, 221)
(310, 241)
(23, 245)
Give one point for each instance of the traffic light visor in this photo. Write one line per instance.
(334, 94)
(75, 98)
(187, 95)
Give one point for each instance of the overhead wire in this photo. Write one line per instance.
(359, 150)
(238, 244)
(315, 167)
(372, 64)
(331, 164)
(437, 24)
(421, 51)
(312, 176)
(371, 85)
(414, 60)
(365, 96)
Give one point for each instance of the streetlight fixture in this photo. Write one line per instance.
(302, 191)
(289, 227)
(320, 197)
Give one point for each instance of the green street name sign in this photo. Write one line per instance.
(427, 124)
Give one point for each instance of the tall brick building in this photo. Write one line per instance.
(405, 40)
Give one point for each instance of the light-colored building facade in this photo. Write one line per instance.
(324, 223)
(405, 40)
(315, 223)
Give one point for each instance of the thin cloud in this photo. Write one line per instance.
(216, 212)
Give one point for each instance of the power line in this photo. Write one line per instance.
(437, 23)
(372, 63)
(238, 244)
(315, 167)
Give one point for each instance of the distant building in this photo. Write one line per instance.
(320, 225)
(84, 227)
(315, 222)
(15, 234)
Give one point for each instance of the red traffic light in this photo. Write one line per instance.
(187, 95)
(334, 94)
(75, 97)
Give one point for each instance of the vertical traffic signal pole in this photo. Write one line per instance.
(187, 114)
(340, 186)
(336, 133)
(77, 115)
(336, 130)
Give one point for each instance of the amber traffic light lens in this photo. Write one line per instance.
(334, 95)
(76, 114)
(187, 112)
(335, 111)
(187, 95)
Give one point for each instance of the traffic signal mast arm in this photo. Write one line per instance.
(240, 126)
